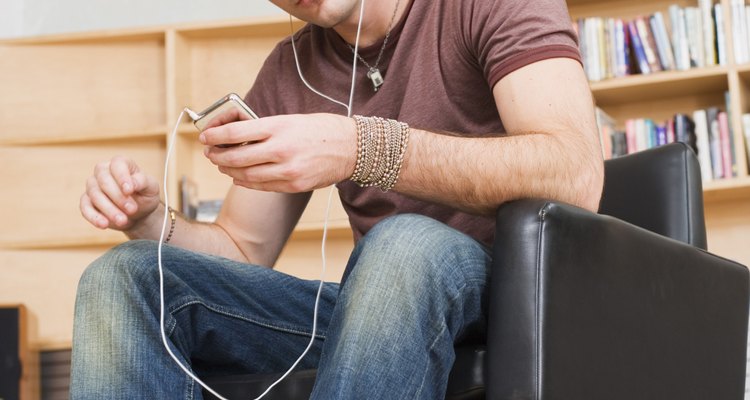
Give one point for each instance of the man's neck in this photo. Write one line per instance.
(376, 22)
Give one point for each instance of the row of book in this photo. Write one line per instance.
(688, 37)
(707, 131)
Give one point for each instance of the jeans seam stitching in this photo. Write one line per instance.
(219, 310)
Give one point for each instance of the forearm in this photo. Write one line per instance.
(191, 235)
(478, 174)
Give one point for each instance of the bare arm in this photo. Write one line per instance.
(552, 150)
(252, 226)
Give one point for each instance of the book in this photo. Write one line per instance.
(730, 131)
(663, 45)
(684, 130)
(681, 39)
(739, 30)
(714, 142)
(188, 197)
(621, 50)
(661, 135)
(620, 143)
(703, 149)
(638, 52)
(694, 24)
(606, 125)
(648, 43)
(709, 32)
(630, 134)
(725, 145)
(721, 40)
(746, 132)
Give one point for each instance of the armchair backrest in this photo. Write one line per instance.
(659, 190)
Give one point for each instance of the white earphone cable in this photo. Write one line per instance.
(172, 140)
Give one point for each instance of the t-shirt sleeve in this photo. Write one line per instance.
(506, 35)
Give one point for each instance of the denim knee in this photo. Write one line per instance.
(427, 246)
(413, 256)
(120, 268)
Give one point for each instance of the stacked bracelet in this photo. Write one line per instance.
(173, 219)
(381, 145)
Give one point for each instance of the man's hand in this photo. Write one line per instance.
(119, 195)
(285, 154)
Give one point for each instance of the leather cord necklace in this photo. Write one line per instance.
(373, 72)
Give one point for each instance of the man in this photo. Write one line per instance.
(497, 107)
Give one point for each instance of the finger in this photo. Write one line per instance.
(90, 214)
(257, 174)
(270, 186)
(234, 132)
(104, 204)
(242, 156)
(107, 184)
(231, 115)
(145, 185)
(122, 169)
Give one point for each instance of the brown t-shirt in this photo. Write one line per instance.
(440, 64)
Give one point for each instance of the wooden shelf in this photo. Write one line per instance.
(659, 85)
(152, 134)
(726, 190)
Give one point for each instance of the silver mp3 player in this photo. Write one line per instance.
(227, 102)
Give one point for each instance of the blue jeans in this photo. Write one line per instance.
(413, 287)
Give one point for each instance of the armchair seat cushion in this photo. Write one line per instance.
(466, 380)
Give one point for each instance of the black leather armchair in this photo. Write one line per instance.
(624, 304)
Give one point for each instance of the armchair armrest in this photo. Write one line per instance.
(586, 306)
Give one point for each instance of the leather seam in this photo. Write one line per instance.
(687, 196)
(538, 301)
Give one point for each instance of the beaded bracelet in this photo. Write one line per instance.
(173, 218)
(381, 146)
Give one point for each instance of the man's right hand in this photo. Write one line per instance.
(119, 195)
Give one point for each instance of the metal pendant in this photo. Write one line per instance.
(376, 77)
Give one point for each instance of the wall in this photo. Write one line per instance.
(19, 18)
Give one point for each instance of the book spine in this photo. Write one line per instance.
(661, 135)
(602, 41)
(670, 131)
(714, 142)
(666, 54)
(695, 36)
(721, 39)
(621, 50)
(732, 147)
(631, 136)
(648, 43)
(592, 46)
(725, 145)
(580, 28)
(640, 54)
(746, 131)
(739, 31)
(709, 32)
(612, 51)
(701, 133)
(683, 39)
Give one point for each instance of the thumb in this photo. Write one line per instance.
(145, 185)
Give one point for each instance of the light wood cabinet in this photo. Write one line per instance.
(70, 101)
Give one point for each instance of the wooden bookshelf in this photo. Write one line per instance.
(69, 101)
(660, 95)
